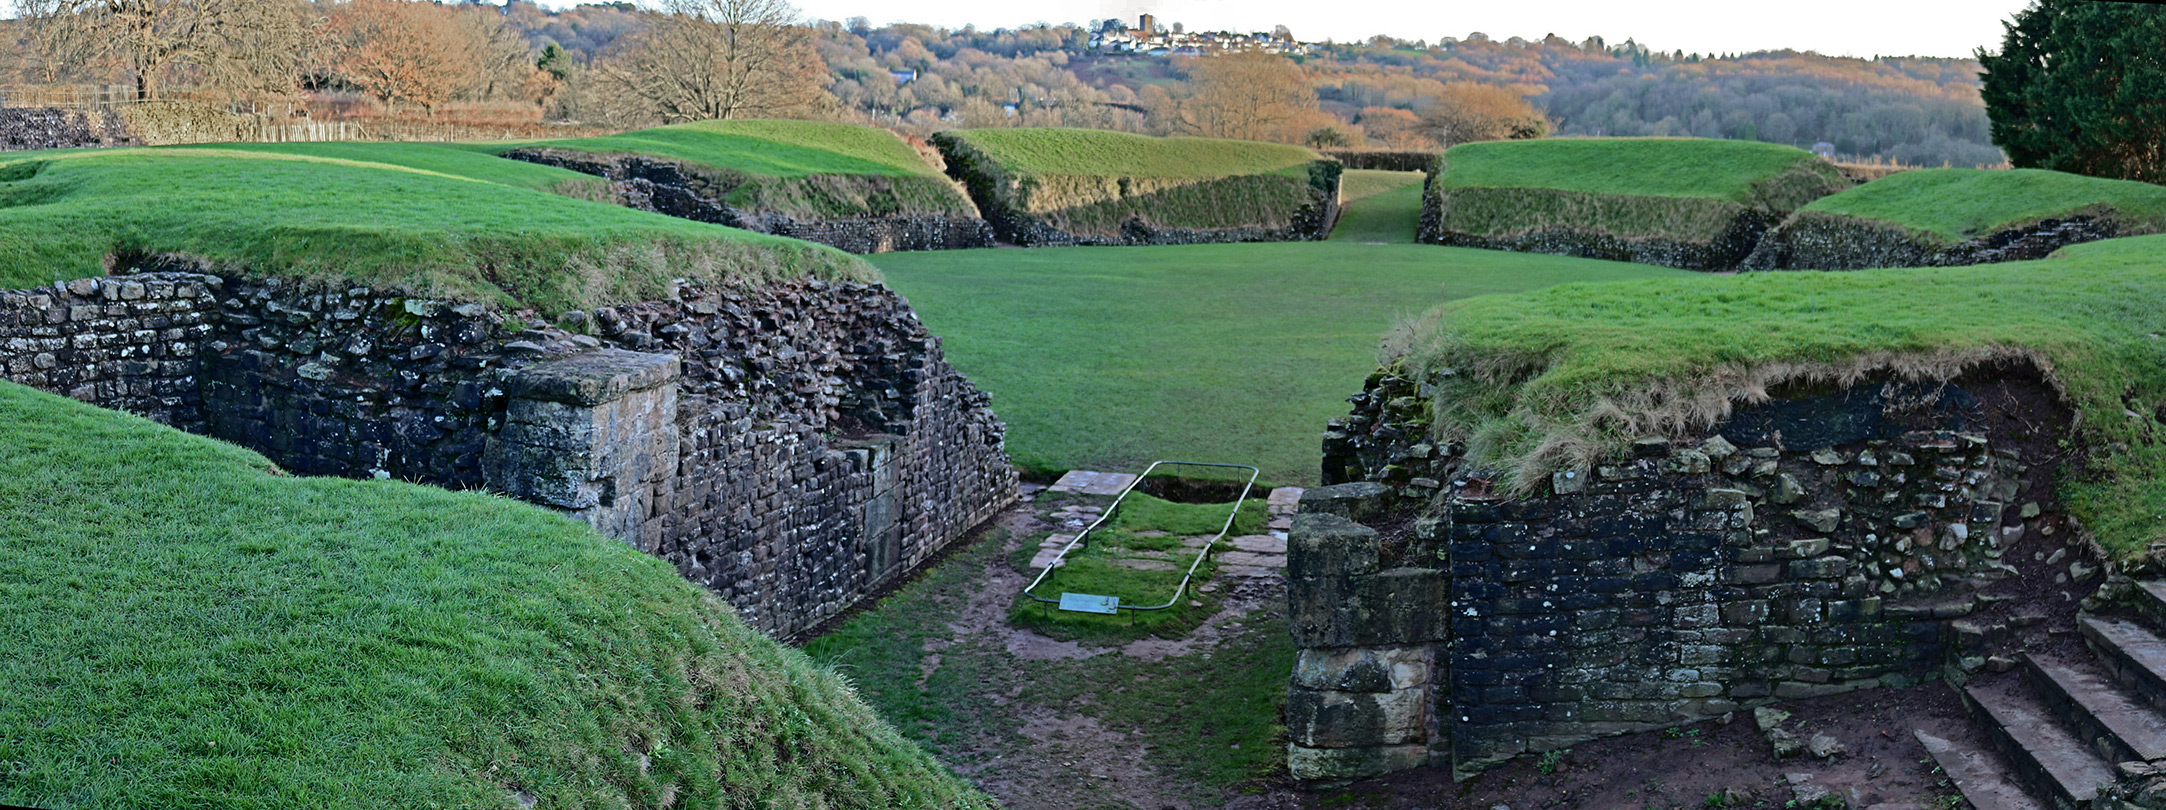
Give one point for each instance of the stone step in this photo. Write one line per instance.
(2151, 602)
(2118, 724)
(1980, 775)
(2133, 654)
(2045, 753)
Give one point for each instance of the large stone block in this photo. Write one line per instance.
(1333, 719)
(1354, 501)
(1361, 669)
(1329, 544)
(1347, 764)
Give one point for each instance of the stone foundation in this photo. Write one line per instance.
(1812, 240)
(792, 447)
(1822, 543)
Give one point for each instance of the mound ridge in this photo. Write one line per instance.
(1945, 217)
(189, 626)
(436, 221)
(1689, 203)
(858, 188)
(1095, 187)
(1567, 377)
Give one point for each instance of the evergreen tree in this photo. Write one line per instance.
(2080, 86)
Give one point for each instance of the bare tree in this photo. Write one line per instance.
(1464, 112)
(403, 51)
(1249, 95)
(708, 59)
(244, 46)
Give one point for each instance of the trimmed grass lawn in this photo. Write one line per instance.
(1104, 153)
(1635, 167)
(1958, 204)
(435, 220)
(187, 627)
(1110, 357)
(768, 148)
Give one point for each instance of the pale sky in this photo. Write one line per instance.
(1833, 27)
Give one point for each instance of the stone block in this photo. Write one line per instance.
(1334, 719)
(1362, 669)
(1329, 544)
(1347, 764)
(1353, 501)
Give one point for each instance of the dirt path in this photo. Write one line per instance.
(1063, 725)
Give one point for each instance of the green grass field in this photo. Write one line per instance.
(1111, 357)
(1735, 171)
(187, 627)
(1543, 377)
(769, 148)
(1103, 153)
(1958, 204)
(438, 221)
(1360, 184)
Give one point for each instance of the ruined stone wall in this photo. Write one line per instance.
(1819, 544)
(679, 190)
(55, 128)
(1812, 240)
(794, 446)
(130, 344)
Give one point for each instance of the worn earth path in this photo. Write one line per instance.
(1195, 720)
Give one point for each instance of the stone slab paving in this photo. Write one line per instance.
(1260, 544)
(1092, 483)
(1284, 501)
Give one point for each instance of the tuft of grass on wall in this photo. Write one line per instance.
(189, 627)
(435, 221)
(1568, 375)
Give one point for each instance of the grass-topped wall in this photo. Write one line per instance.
(437, 221)
(1071, 186)
(1567, 377)
(1940, 217)
(189, 626)
(859, 188)
(1679, 202)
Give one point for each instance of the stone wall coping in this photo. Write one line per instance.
(595, 377)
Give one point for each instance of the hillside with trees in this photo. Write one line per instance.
(623, 65)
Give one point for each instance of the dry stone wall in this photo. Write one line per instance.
(794, 447)
(1818, 544)
(55, 128)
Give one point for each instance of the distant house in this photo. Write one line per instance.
(903, 76)
(1825, 150)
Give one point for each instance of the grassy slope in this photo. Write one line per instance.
(1958, 204)
(1102, 153)
(1357, 184)
(1108, 358)
(1636, 167)
(770, 148)
(187, 628)
(800, 168)
(1539, 367)
(442, 221)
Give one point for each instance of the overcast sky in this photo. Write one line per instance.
(1833, 27)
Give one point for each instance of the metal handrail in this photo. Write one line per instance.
(1201, 554)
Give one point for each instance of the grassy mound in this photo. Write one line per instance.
(803, 169)
(1061, 186)
(187, 627)
(1691, 203)
(1959, 216)
(437, 221)
(1569, 375)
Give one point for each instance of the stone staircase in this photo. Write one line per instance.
(2066, 727)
